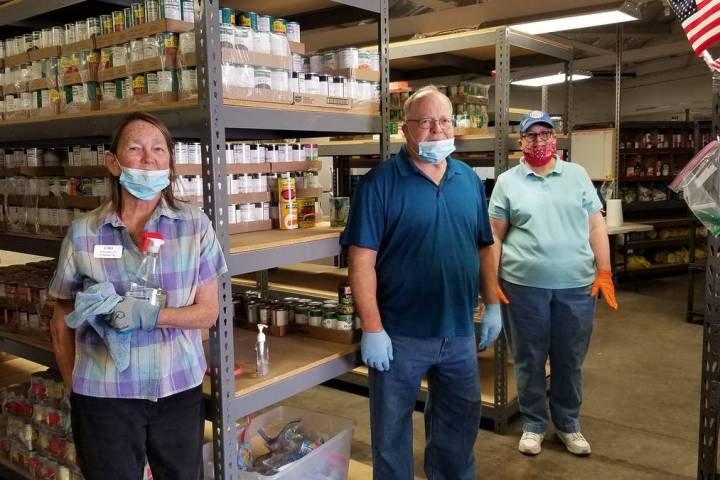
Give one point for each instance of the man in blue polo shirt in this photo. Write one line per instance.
(547, 216)
(420, 242)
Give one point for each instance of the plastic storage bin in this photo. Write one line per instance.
(330, 461)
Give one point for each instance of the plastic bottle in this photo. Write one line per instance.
(262, 354)
(146, 284)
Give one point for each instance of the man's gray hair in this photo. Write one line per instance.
(424, 91)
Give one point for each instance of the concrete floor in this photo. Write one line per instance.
(641, 400)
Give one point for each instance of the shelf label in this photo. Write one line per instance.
(108, 251)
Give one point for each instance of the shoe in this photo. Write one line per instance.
(530, 443)
(575, 443)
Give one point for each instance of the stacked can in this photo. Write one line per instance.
(287, 202)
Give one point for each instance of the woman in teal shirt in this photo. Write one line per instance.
(546, 215)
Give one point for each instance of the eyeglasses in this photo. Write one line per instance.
(545, 135)
(426, 123)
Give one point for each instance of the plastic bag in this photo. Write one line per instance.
(700, 184)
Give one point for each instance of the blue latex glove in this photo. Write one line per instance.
(376, 349)
(132, 314)
(490, 326)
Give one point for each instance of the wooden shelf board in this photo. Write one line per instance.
(249, 242)
(289, 356)
(27, 340)
(182, 104)
(282, 106)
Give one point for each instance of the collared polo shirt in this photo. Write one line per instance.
(548, 242)
(163, 361)
(427, 238)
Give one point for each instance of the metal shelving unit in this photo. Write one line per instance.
(710, 381)
(213, 121)
(500, 44)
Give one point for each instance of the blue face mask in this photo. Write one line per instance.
(144, 184)
(436, 152)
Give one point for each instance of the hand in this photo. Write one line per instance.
(603, 283)
(376, 349)
(134, 313)
(502, 296)
(490, 326)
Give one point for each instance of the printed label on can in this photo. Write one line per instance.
(264, 23)
(138, 85)
(152, 10)
(172, 9)
(151, 80)
(188, 15)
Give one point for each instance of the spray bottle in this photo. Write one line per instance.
(146, 284)
(262, 354)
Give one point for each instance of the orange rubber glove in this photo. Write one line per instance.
(603, 283)
(502, 296)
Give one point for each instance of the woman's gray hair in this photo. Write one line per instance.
(424, 91)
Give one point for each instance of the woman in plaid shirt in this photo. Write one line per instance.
(153, 408)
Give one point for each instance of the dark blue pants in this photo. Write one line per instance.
(114, 436)
(541, 323)
(452, 411)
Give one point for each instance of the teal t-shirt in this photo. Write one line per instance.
(548, 242)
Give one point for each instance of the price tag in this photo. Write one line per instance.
(108, 251)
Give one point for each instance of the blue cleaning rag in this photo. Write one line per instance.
(91, 307)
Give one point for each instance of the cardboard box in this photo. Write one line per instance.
(112, 73)
(188, 95)
(297, 47)
(50, 111)
(158, 26)
(15, 88)
(255, 197)
(110, 39)
(152, 64)
(323, 101)
(187, 60)
(243, 57)
(309, 192)
(88, 44)
(188, 169)
(19, 59)
(257, 95)
(347, 337)
(78, 107)
(41, 53)
(459, 132)
(238, 168)
(295, 166)
(358, 74)
(249, 226)
(76, 78)
(155, 98)
(42, 84)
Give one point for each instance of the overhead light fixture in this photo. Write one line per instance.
(623, 12)
(551, 79)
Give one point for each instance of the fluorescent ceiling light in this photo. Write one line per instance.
(625, 13)
(550, 79)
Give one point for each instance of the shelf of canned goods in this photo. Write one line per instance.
(88, 75)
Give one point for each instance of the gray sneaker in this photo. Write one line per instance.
(530, 443)
(575, 443)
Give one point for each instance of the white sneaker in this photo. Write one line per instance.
(574, 442)
(530, 443)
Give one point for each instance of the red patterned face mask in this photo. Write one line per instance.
(539, 155)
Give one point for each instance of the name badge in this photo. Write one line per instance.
(108, 251)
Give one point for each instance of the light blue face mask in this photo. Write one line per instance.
(437, 151)
(144, 184)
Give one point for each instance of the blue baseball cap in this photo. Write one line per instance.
(536, 116)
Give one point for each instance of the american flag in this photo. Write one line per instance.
(701, 21)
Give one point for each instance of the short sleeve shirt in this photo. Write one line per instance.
(427, 239)
(548, 242)
(163, 361)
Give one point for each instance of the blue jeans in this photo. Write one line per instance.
(452, 410)
(541, 323)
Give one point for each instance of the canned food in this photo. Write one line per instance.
(58, 36)
(106, 60)
(69, 33)
(315, 314)
(171, 9)
(329, 319)
(281, 317)
(345, 322)
(167, 81)
(306, 212)
(152, 10)
(118, 21)
(278, 45)
(138, 13)
(316, 63)
(128, 17)
(279, 25)
(227, 16)
(263, 78)
(150, 47)
(348, 58)
(139, 86)
(292, 30)
(188, 80)
(93, 26)
(244, 38)
(262, 42)
(188, 15)
(248, 19)
(279, 80)
(81, 31)
(106, 24)
(301, 314)
(264, 23)
(329, 61)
